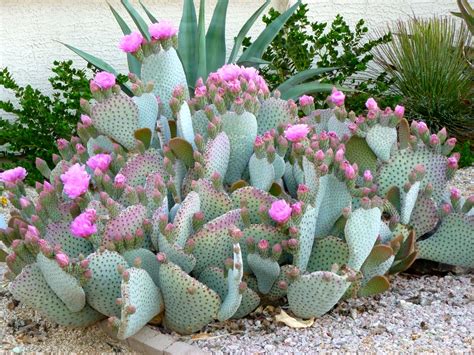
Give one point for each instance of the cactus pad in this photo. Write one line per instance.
(314, 294)
(31, 288)
(326, 252)
(140, 166)
(189, 304)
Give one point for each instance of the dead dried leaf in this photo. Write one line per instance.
(283, 317)
(200, 336)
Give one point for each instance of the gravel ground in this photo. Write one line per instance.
(419, 314)
(429, 313)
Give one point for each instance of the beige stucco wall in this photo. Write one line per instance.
(29, 29)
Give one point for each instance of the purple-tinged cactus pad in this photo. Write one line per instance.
(141, 293)
(59, 233)
(259, 232)
(255, 198)
(103, 288)
(138, 167)
(189, 304)
(64, 285)
(126, 223)
(176, 254)
(100, 142)
(228, 219)
(214, 203)
(117, 117)
(31, 288)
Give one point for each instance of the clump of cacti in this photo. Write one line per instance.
(202, 207)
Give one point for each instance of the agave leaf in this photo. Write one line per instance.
(250, 62)
(187, 41)
(258, 47)
(303, 76)
(201, 42)
(244, 30)
(134, 66)
(307, 88)
(215, 38)
(141, 24)
(148, 13)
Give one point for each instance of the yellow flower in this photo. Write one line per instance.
(3, 201)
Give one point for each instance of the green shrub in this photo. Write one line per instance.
(302, 44)
(426, 63)
(40, 119)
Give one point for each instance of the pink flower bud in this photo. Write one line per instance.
(422, 128)
(350, 172)
(455, 193)
(306, 100)
(80, 148)
(399, 111)
(319, 155)
(451, 142)
(434, 140)
(337, 97)
(339, 155)
(371, 104)
(263, 244)
(368, 176)
(86, 120)
(297, 207)
(24, 202)
(62, 143)
(62, 259)
(452, 163)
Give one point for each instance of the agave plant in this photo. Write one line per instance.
(202, 208)
(202, 52)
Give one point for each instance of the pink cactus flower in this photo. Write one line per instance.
(306, 100)
(76, 181)
(280, 211)
(131, 43)
(83, 225)
(297, 132)
(80, 149)
(337, 97)
(62, 259)
(99, 161)
(163, 30)
(104, 80)
(399, 111)
(263, 244)
(200, 91)
(24, 202)
(13, 175)
(371, 104)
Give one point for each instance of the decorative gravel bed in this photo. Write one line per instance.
(428, 313)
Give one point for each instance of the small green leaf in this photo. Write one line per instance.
(201, 41)
(215, 38)
(134, 66)
(143, 135)
(303, 76)
(187, 44)
(141, 24)
(149, 14)
(183, 150)
(258, 47)
(244, 30)
(307, 88)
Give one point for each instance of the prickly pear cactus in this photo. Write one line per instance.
(200, 208)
